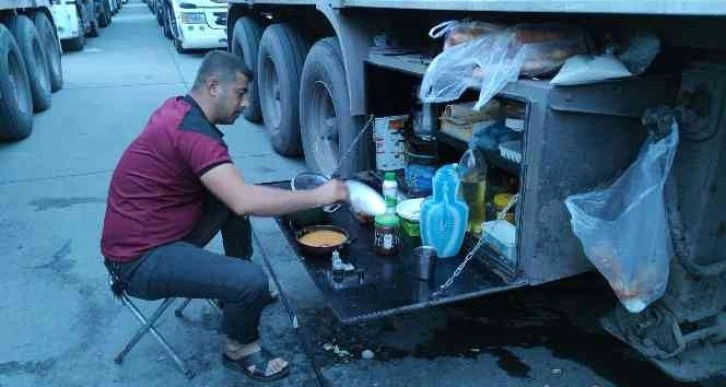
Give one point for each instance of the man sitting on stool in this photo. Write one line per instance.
(174, 188)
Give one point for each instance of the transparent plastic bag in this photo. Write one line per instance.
(458, 32)
(483, 55)
(624, 228)
(489, 62)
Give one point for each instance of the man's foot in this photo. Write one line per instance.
(257, 363)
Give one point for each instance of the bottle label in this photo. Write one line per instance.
(389, 195)
(388, 241)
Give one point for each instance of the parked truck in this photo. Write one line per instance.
(194, 24)
(322, 68)
(30, 64)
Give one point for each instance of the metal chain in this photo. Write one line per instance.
(500, 216)
(352, 145)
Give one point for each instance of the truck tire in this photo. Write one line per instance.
(168, 23)
(36, 62)
(245, 44)
(105, 18)
(16, 106)
(159, 7)
(52, 49)
(95, 29)
(179, 47)
(325, 110)
(279, 65)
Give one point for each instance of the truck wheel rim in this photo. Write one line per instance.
(16, 82)
(326, 135)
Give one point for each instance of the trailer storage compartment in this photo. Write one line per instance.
(563, 140)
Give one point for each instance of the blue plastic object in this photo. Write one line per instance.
(444, 216)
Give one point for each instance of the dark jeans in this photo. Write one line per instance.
(185, 269)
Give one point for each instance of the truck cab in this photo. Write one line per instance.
(194, 24)
(76, 19)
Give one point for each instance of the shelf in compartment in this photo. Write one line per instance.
(414, 64)
(493, 157)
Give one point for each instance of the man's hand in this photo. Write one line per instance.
(332, 192)
(225, 182)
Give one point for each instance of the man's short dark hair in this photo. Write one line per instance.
(223, 65)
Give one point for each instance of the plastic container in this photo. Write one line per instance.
(410, 213)
(501, 236)
(420, 166)
(444, 216)
(386, 240)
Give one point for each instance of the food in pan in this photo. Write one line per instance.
(322, 238)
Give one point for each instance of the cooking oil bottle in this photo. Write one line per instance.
(472, 170)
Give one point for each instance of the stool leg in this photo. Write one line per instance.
(148, 326)
(180, 309)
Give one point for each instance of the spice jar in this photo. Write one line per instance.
(386, 238)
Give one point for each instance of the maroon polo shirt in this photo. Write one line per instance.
(155, 195)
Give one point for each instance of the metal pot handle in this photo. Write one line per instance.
(331, 208)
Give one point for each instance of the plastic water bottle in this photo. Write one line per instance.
(390, 192)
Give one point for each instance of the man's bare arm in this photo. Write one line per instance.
(225, 182)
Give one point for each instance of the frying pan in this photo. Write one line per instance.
(321, 250)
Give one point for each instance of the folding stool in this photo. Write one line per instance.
(148, 326)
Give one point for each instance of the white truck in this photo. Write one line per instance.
(323, 67)
(78, 19)
(30, 65)
(194, 24)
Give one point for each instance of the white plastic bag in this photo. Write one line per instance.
(624, 228)
(582, 69)
(489, 62)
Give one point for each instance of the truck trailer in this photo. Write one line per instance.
(30, 65)
(324, 69)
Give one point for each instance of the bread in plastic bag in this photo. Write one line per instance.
(548, 47)
(496, 58)
(624, 228)
(458, 32)
(488, 63)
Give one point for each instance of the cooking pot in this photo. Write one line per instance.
(325, 250)
(306, 181)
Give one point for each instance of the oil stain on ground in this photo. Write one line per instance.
(560, 318)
